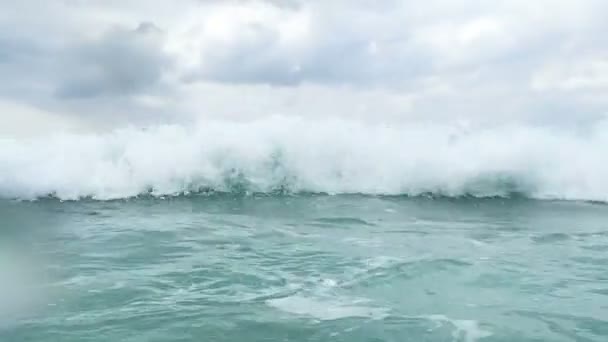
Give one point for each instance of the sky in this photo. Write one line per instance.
(94, 64)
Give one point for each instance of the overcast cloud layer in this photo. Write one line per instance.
(107, 63)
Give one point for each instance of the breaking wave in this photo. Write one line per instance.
(296, 155)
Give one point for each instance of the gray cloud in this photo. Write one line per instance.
(544, 61)
(353, 46)
(121, 62)
(391, 43)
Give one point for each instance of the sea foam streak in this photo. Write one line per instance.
(296, 155)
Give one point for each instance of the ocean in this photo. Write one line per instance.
(286, 230)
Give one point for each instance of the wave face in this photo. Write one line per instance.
(295, 155)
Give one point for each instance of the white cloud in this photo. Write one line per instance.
(466, 43)
(588, 74)
(22, 121)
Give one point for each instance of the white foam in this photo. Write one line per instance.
(464, 330)
(326, 309)
(330, 156)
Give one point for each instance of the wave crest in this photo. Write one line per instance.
(281, 155)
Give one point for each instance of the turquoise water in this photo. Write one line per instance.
(303, 268)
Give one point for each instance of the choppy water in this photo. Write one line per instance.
(303, 268)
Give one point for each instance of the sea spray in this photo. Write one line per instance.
(289, 155)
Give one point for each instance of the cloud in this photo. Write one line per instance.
(540, 61)
(449, 60)
(263, 43)
(586, 74)
(120, 62)
(22, 121)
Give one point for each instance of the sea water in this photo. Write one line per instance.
(324, 233)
